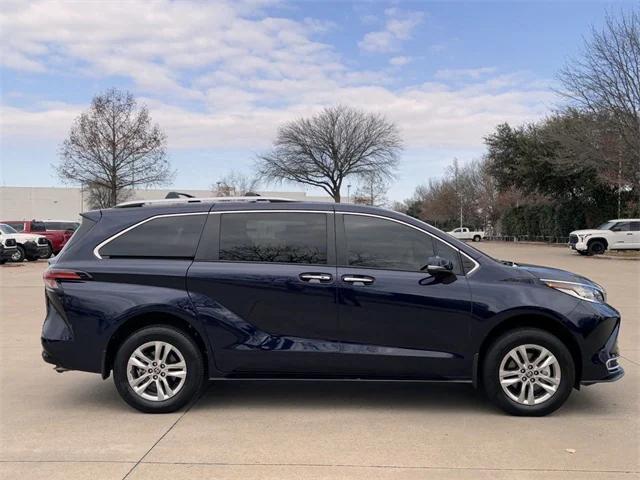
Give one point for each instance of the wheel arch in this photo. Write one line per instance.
(146, 319)
(599, 239)
(533, 320)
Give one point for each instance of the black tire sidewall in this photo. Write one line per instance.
(193, 358)
(593, 250)
(502, 346)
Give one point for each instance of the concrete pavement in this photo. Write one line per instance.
(74, 426)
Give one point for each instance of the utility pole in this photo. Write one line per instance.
(619, 182)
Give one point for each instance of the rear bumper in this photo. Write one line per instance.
(60, 347)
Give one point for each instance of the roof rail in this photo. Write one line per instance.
(182, 201)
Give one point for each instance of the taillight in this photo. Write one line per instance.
(51, 276)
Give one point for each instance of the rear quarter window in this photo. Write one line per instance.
(163, 237)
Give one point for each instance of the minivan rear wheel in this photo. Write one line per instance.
(528, 372)
(158, 369)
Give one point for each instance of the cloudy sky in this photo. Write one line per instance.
(219, 77)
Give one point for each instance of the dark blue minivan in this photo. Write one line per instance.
(168, 294)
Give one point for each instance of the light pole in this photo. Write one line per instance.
(349, 193)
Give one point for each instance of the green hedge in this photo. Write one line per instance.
(552, 220)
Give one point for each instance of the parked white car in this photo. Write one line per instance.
(28, 246)
(619, 234)
(464, 233)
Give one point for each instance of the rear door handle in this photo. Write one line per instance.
(358, 279)
(316, 277)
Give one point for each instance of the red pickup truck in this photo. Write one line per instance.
(57, 232)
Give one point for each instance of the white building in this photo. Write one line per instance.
(42, 203)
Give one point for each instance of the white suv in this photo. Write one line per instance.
(28, 246)
(623, 233)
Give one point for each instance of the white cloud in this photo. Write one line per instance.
(464, 73)
(398, 27)
(399, 61)
(225, 76)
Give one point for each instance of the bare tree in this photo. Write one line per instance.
(235, 184)
(99, 197)
(113, 146)
(372, 190)
(323, 150)
(606, 80)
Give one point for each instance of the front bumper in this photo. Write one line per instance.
(7, 252)
(601, 356)
(580, 246)
(614, 374)
(35, 250)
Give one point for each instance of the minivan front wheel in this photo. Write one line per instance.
(158, 369)
(528, 372)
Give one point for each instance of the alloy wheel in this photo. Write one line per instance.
(156, 371)
(530, 374)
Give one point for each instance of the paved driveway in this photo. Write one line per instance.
(75, 426)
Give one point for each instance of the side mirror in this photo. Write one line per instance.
(438, 266)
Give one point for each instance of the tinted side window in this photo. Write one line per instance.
(274, 237)
(621, 227)
(164, 237)
(635, 226)
(378, 243)
(19, 227)
(61, 225)
(38, 227)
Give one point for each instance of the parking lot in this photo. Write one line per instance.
(74, 425)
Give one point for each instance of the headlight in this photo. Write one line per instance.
(579, 290)
(582, 237)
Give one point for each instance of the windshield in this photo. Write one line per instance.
(4, 228)
(606, 226)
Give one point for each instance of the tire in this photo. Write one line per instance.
(188, 353)
(561, 373)
(47, 255)
(582, 252)
(19, 255)
(597, 247)
(476, 238)
(2, 262)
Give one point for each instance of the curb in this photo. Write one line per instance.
(611, 257)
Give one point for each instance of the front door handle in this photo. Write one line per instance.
(358, 279)
(316, 277)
